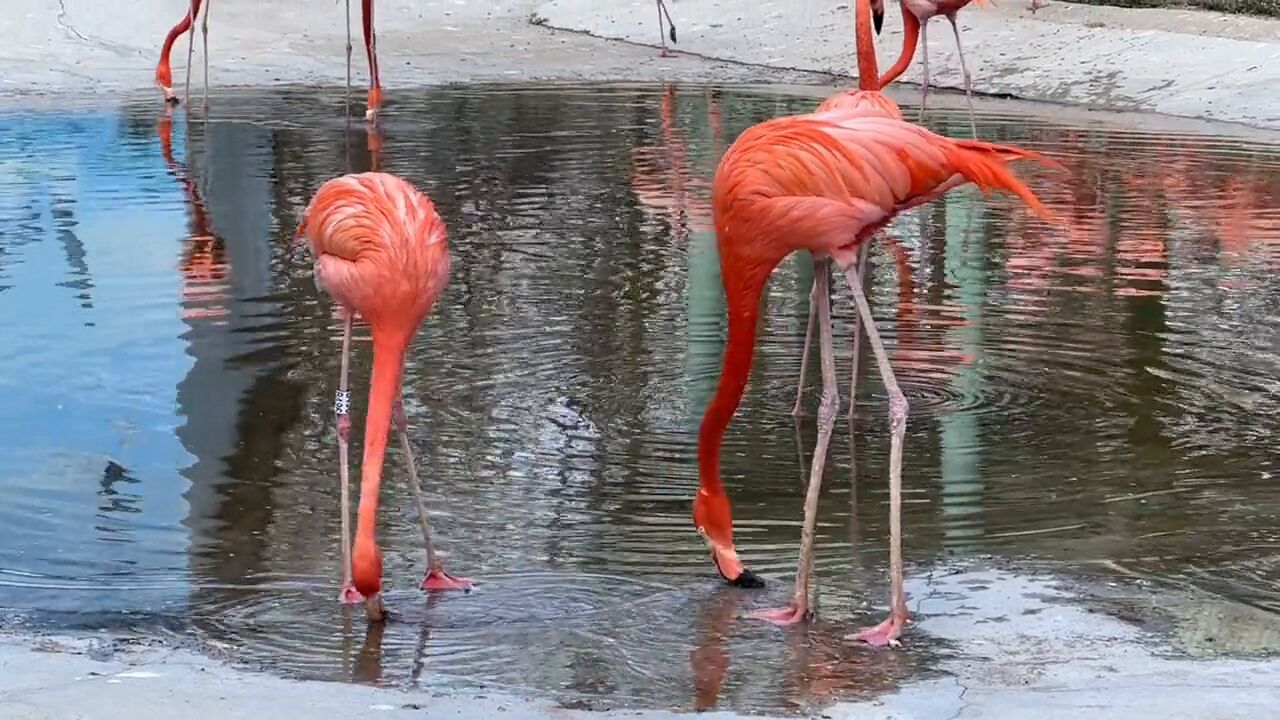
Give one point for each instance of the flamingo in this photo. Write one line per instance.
(822, 183)
(662, 37)
(164, 75)
(916, 15)
(380, 251)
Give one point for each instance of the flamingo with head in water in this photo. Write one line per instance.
(380, 251)
(822, 183)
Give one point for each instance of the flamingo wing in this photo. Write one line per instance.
(823, 182)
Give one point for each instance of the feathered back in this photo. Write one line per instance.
(864, 103)
(822, 182)
(379, 244)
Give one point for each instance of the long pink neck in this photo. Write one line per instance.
(910, 36)
(739, 351)
(164, 75)
(868, 73)
(384, 388)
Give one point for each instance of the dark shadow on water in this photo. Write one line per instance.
(1100, 397)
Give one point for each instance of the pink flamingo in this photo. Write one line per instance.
(380, 251)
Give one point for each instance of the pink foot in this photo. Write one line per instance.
(350, 596)
(439, 581)
(789, 615)
(665, 53)
(884, 634)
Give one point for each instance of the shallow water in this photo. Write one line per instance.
(1101, 398)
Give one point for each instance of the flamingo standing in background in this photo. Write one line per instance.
(164, 75)
(824, 184)
(662, 36)
(380, 251)
(916, 15)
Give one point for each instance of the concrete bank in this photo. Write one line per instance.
(1025, 645)
(1188, 63)
(99, 49)
(1179, 62)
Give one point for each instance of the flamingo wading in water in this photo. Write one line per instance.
(164, 74)
(381, 251)
(822, 184)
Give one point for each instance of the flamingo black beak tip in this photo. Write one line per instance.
(877, 19)
(747, 579)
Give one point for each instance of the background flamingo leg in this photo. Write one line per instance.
(193, 10)
(857, 337)
(968, 80)
(346, 112)
(924, 67)
(804, 354)
(204, 49)
(662, 36)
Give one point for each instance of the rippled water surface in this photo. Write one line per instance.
(1101, 397)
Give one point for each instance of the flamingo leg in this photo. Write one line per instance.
(342, 409)
(968, 81)
(192, 12)
(857, 336)
(924, 62)
(808, 339)
(347, 107)
(662, 36)
(887, 632)
(437, 578)
(371, 49)
(204, 49)
(798, 610)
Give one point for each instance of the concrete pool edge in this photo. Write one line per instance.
(1021, 639)
(1165, 61)
(79, 50)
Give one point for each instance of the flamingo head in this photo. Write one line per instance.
(712, 518)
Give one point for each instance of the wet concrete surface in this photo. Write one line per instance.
(85, 46)
(1021, 641)
(1181, 62)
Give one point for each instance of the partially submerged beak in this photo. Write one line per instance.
(731, 569)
